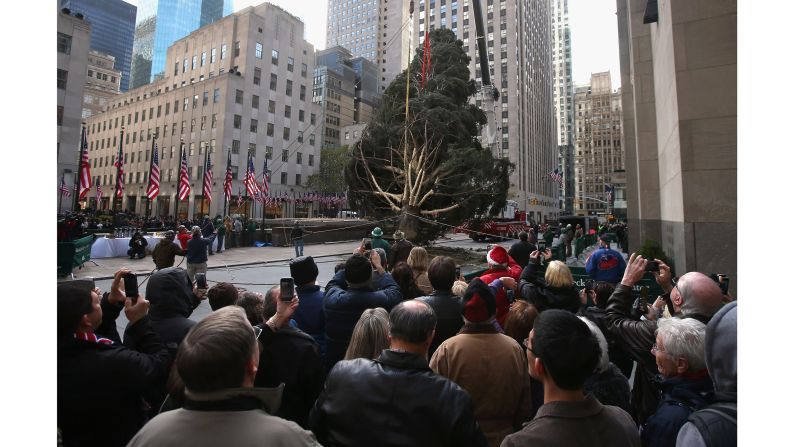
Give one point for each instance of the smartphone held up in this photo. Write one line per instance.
(287, 289)
(131, 286)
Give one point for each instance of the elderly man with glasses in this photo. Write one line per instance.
(694, 295)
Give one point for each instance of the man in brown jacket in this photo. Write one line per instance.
(489, 365)
(562, 352)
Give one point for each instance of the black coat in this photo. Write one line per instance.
(520, 252)
(617, 354)
(396, 400)
(449, 316)
(636, 338)
(290, 356)
(100, 386)
(536, 292)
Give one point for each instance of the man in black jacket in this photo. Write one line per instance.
(694, 295)
(290, 357)
(447, 307)
(520, 250)
(100, 381)
(396, 397)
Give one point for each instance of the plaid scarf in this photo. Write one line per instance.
(91, 337)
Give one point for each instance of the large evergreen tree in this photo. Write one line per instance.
(432, 167)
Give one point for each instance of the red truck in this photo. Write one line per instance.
(493, 228)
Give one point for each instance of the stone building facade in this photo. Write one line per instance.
(103, 83)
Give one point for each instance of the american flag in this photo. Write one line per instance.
(608, 190)
(265, 183)
(184, 180)
(98, 194)
(250, 178)
(207, 192)
(556, 176)
(120, 165)
(227, 182)
(65, 189)
(85, 167)
(239, 197)
(154, 175)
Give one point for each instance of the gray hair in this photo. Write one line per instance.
(684, 337)
(603, 360)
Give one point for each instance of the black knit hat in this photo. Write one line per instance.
(303, 270)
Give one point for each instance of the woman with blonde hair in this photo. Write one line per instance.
(555, 291)
(370, 336)
(418, 260)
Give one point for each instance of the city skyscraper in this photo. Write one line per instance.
(599, 152)
(102, 83)
(373, 29)
(112, 30)
(563, 99)
(519, 46)
(159, 24)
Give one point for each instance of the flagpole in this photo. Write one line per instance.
(176, 196)
(151, 162)
(262, 195)
(75, 205)
(226, 199)
(118, 168)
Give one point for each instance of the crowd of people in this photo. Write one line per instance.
(401, 349)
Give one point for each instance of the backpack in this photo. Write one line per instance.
(716, 423)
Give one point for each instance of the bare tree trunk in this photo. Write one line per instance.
(409, 224)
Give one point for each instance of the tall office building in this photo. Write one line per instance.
(597, 144)
(374, 29)
(112, 30)
(519, 46)
(334, 92)
(73, 42)
(563, 99)
(678, 77)
(102, 83)
(160, 23)
(223, 91)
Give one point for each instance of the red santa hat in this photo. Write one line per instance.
(498, 256)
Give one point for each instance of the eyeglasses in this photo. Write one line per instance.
(655, 349)
(525, 344)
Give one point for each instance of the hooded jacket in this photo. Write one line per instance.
(171, 301)
(535, 291)
(721, 362)
(681, 396)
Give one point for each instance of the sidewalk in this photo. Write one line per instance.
(107, 267)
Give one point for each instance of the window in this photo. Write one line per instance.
(212, 56)
(193, 62)
(185, 103)
(273, 81)
(313, 119)
(184, 66)
(285, 155)
(258, 50)
(176, 68)
(62, 76)
(311, 140)
(298, 158)
(203, 122)
(254, 124)
(64, 43)
(270, 129)
(182, 131)
(203, 58)
(286, 133)
(297, 179)
(159, 109)
(192, 124)
(304, 69)
(269, 152)
(290, 64)
(303, 93)
(235, 146)
(237, 48)
(252, 150)
(223, 51)
(283, 178)
(287, 112)
(238, 120)
(214, 120)
(238, 96)
(254, 101)
(300, 115)
(60, 115)
(257, 76)
(271, 106)
(311, 160)
(216, 95)
(136, 116)
(289, 88)
(274, 57)
(195, 101)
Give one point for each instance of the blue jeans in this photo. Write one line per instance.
(298, 247)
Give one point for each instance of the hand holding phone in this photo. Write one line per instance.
(652, 266)
(201, 280)
(287, 289)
